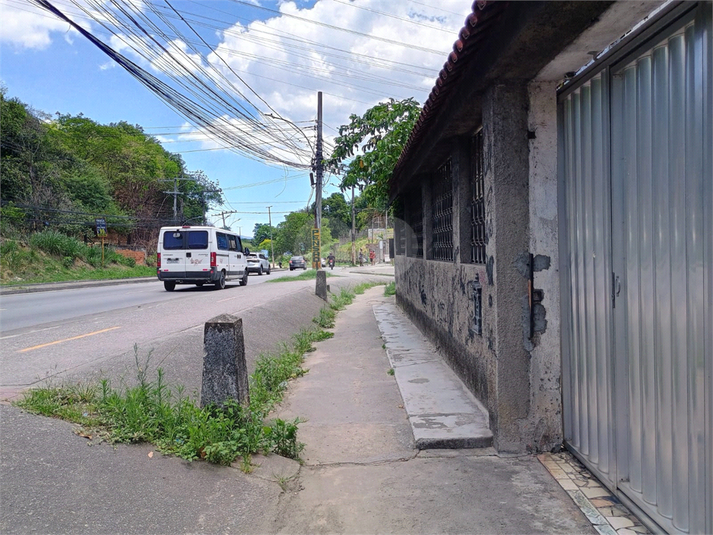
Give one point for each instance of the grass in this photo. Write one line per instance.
(390, 289)
(310, 274)
(51, 256)
(152, 411)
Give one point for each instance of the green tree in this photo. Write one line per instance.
(295, 234)
(367, 149)
(262, 232)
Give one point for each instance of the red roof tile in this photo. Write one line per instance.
(471, 38)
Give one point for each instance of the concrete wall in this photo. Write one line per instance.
(544, 346)
(513, 365)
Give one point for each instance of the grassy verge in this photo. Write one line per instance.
(310, 274)
(51, 256)
(152, 411)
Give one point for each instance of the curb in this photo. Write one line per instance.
(67, 285)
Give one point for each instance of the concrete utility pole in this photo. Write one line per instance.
(318, 168)
(318, 163)
(353, 231)
(272, 245)
(223, 214)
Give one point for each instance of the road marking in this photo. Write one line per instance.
(29, 332)
(67, 339)
(228, 299)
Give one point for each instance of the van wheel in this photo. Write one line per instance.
(244, 280)
(169, 285)
(220, 283)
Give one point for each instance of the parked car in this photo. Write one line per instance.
(258, 263)
(298, 262)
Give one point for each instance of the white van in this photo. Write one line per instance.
(200, 255)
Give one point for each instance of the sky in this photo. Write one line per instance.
(263, 61)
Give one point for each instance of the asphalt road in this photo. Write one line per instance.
(87, 333)
(18, 311)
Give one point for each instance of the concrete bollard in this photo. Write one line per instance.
(225, 372)
(321, 290)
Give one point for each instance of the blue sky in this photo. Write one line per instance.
(389, 49)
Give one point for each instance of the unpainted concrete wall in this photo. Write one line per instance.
(544, 346)
(438, 297)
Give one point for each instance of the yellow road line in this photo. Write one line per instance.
(68, 339)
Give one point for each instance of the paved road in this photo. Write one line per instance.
(18, 311)
(168, 329)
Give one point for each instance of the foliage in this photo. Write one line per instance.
(63, 172)
(367, 149)
(295, 234)
(152, 411)
(261, 232)
(390, 289)
(50, 256)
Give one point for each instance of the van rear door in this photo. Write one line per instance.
(197, 251)
(173, 258)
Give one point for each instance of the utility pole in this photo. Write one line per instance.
(318, 186)
(223, 214)
(353, 231)
(318, 163)
(272, 245)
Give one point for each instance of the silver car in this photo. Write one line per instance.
(258, 263)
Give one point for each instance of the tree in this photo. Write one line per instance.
(261, 232)
(367, 149)
(295, 234)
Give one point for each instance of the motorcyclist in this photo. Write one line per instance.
(330, 260)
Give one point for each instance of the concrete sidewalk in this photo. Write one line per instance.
(362, 471)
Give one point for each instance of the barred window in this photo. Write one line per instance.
(442, 211)
(413, 211)
(399, 226)
(477, 202)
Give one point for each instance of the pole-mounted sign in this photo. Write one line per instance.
(316, 243)
(101, 232)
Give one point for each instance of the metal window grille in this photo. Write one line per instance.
(477, 202)
(399, 227)
(442, 211)
(414, 219)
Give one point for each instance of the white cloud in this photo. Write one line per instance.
(285, 59)
(26, 26)
(276, 58)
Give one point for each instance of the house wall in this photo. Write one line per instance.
(544, 346)
(513, 365)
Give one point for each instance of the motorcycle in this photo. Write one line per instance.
(331, 263)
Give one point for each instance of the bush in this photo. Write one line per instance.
(57, 244)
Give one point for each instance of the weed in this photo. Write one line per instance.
(151, 411)
(326, 318)
(390, 289)
(310, 274)
(390, 371)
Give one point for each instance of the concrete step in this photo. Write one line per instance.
(443, 413)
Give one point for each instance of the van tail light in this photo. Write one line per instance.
(158, 260)
(213, 260)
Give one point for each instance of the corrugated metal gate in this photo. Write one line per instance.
(637, 270)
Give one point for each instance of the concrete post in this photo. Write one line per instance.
(321, 289)
(225, 372)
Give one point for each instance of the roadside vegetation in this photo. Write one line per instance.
(309, 274)
(150, 410)
(51, 256)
